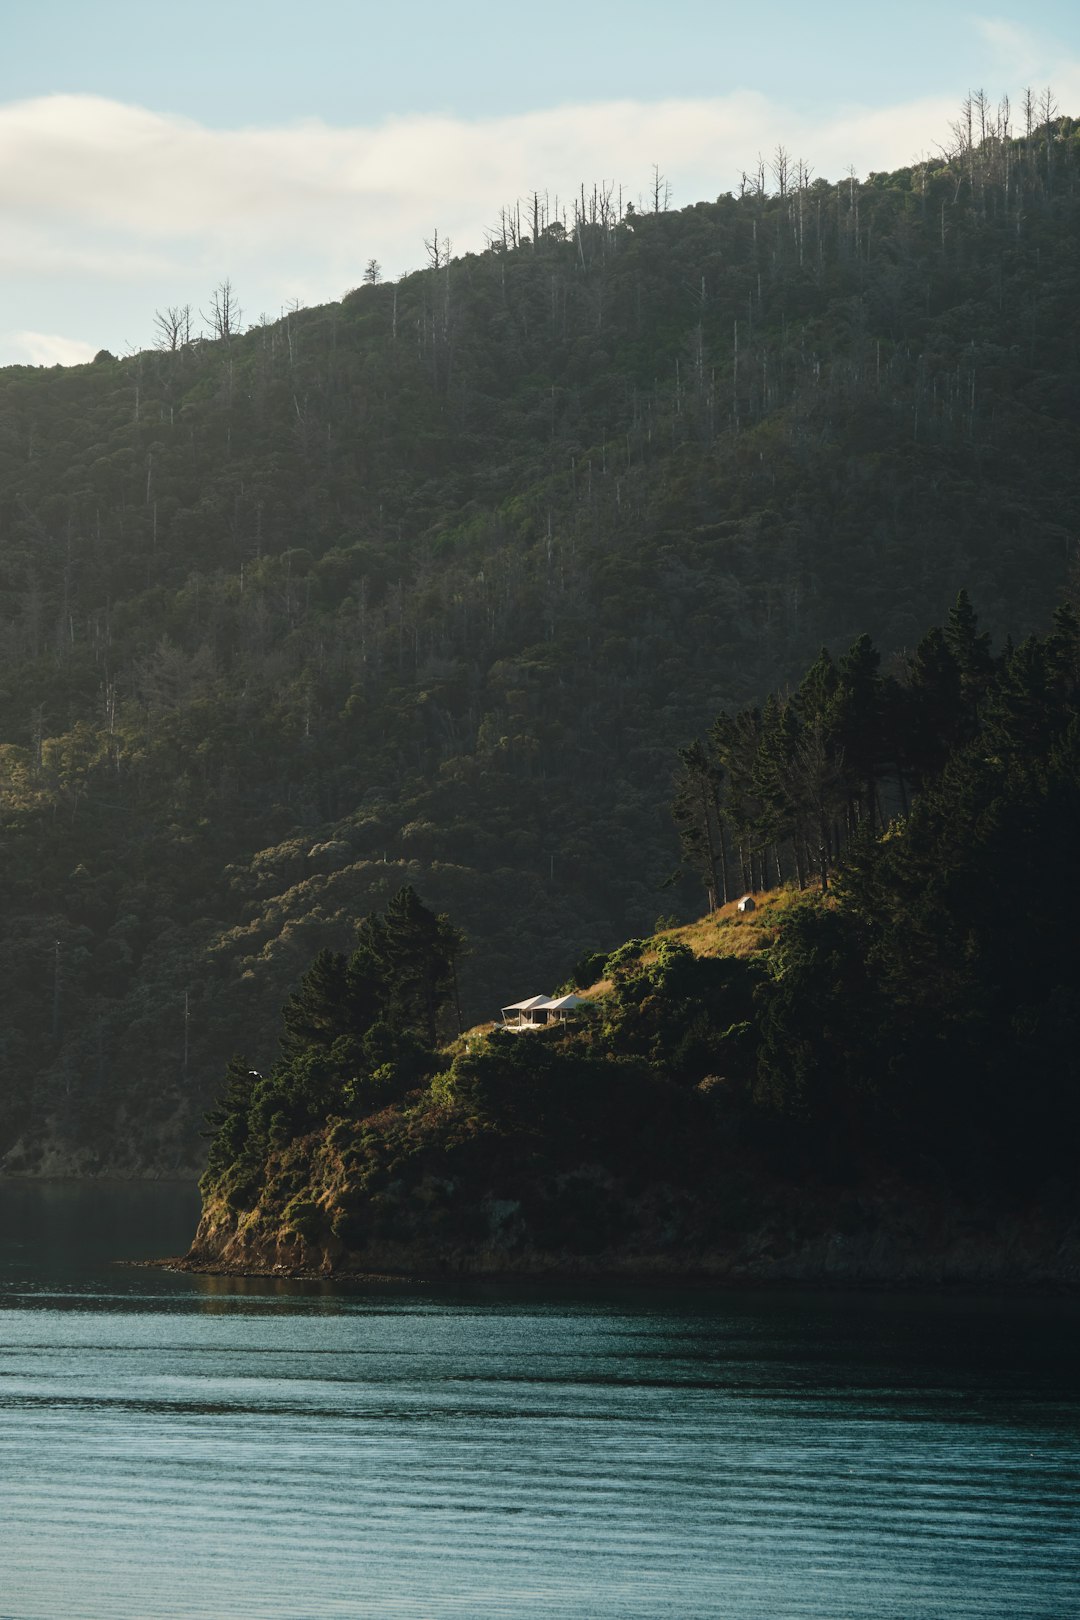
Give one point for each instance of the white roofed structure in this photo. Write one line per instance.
(521, 1015)
(565, 1004)
(539, 1012)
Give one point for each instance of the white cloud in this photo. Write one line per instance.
(109, 195)
(57, 248)
(77, 165)
(47, 349)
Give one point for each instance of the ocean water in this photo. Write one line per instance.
(183, 1446)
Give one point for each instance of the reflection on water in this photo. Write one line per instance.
(192, 1446)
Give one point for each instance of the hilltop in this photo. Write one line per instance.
(555, 1150)
(864, 1078)
(430, 585)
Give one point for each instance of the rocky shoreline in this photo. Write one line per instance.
(884, 1240)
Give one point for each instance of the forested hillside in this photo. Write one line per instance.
(430, 585)
(876, 1080)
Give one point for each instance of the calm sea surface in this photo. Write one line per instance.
(182, 1446)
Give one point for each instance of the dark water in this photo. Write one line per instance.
(177, 1446)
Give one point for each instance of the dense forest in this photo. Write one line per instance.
(916, 1022)
(429, 587)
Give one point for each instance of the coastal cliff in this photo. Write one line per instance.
(750, 1231)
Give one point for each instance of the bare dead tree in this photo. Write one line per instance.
(496, 236)
(172, 327)
(1048, 107)
(980, 103)
(224, 315)
(438, 251)
(1048, 111)
(803, 176)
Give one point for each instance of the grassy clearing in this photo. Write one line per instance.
(725, 932)
(728, 932)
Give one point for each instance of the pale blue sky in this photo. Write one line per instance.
(244, 61)
(147, 149)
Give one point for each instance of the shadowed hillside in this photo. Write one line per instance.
(428, 586)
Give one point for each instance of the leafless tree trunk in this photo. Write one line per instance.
(438, 251)
(224, 315)
(173, 327)
(1048, 111)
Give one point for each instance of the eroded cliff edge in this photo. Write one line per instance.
(472, 1215)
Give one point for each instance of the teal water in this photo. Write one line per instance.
(181, 1446)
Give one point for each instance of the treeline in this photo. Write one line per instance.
(941, 986)
(917, 1008)
(780, 792)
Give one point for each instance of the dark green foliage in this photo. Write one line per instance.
(928, 1013)
(400, 976)
(689, 1016)
(820, 1053)
(920, 1017)
(324, 1009)
(424, 587)
(228, 1122)
(420, 953)
(588, 969)
(358, 1033)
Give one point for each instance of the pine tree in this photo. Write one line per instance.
(694, 815)
(317, 1012)
(421, 951)
(227, 1120)
(857, 706)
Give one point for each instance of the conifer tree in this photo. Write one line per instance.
(695, 816)
(421, 950)
(317, 1012)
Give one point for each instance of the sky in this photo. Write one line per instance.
(148, 151)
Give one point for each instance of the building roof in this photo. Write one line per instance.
(545, 1004)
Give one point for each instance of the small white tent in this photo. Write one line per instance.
(536, 1012)
(558, 1008)
(522, 1014)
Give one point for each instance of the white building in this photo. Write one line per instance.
(539, 1012)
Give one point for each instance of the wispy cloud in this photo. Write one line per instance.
(122, 194)
(1029, 58)
(76, 164)
(47, 349)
